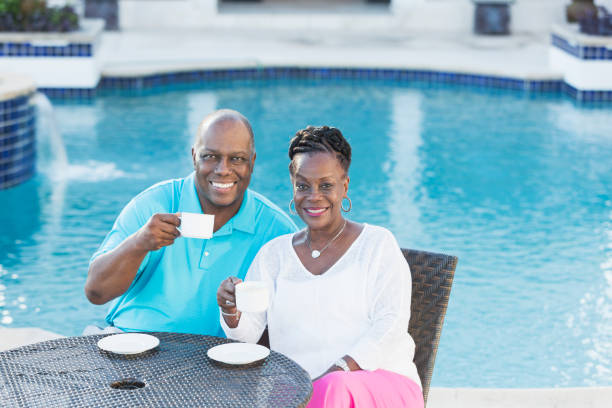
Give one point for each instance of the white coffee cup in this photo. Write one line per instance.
(195, 225)
(252, 296)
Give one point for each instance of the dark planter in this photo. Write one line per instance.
(580, 9)
(492, 17)
(105, 9)
(596, 23)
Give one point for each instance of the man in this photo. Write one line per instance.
(163, 282)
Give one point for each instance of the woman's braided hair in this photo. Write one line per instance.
(321, 139)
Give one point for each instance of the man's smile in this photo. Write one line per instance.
(222, 186)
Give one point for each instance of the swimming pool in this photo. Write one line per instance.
(517, 187)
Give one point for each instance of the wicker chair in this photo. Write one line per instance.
(432, 277)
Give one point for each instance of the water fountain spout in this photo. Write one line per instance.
(52, 158)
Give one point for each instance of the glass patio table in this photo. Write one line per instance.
(73, 371)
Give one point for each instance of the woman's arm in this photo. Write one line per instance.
(247, 327)
(389, 304)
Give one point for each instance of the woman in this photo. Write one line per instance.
(339, 290)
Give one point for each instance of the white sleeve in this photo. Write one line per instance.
(389, 308)
(251, 325)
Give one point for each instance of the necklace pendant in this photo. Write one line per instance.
(315, 254)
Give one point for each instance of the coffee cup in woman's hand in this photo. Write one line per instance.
(252, 296)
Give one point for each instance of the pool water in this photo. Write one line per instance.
(518, 188)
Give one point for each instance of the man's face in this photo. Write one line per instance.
(223, 160)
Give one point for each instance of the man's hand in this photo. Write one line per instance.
(112, 273)
(160, 231)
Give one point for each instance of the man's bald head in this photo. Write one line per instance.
(223, 118)
(223, 158)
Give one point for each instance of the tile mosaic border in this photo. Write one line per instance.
(15, 113)
(585, 52)
(401, 75)
(146, 82)
(26, 49)
(17, 141)
(14, 102)
(69, 93)
(587, 96)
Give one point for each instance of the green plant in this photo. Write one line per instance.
(34, 15)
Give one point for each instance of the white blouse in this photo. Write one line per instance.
(359, 307)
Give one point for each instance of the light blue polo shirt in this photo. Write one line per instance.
(175, 289)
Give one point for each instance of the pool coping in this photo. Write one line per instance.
(152, 77)
(14, 86)
(139, 77)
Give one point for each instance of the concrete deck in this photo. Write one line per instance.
(140, 52)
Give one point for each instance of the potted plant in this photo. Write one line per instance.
(51, 45)
(35, 16)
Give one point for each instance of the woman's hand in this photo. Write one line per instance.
(329, 370)
(226, 294)
(352, 365)
(226, 299)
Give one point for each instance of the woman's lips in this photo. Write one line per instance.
(314, 211)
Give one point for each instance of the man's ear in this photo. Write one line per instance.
(193, 156)
(253, 161)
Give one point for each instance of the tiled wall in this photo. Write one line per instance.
(531, 86)
(10, 49)
(400, 75)
(585, 52)
(17, 141)
(586, 64)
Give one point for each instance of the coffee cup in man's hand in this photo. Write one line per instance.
(195, 225)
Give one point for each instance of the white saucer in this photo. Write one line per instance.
(238, 353)
(128, 343)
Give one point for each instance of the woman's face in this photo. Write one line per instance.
(319, 185)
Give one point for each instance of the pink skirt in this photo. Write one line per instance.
(364, 389)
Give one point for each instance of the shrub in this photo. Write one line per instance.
(34, 15)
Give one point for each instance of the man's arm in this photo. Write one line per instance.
(112, 273)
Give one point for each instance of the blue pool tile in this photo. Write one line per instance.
(26, 49)
(282, 73)
(583, 52)
(17, 141)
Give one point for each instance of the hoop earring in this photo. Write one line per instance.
(350, 205)
(291, 210)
